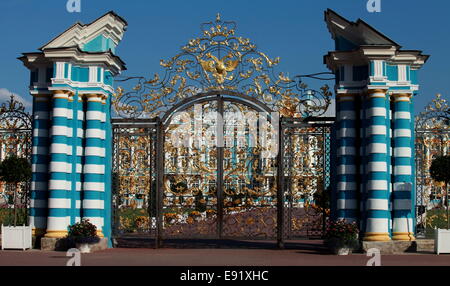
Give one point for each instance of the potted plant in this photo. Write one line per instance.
(15, 170)
(341, 237)
(84, 235)
(439, 172)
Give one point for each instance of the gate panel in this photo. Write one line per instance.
(249, 189)
(189, 201)
(306, 177)
(134, 179)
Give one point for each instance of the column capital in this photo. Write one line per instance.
(93, 96)
(345, 96)
(401, 96)
(375, 92)
(62, 94)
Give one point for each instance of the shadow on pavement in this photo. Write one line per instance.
(309, 246)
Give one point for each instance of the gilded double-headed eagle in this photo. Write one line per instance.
(219, 68)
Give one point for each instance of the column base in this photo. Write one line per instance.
(404, 236)
(38, 231)
(56, 233)
(100, 233)
(376, 236)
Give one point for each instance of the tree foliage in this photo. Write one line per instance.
(440, 172)
(440, 169)
(15, 170)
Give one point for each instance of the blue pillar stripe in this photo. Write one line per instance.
(41, 115)
(38, 212)
(39, 195)
(59, 194)
(379, 214)
(41, 123)
(346, 161)
(61, 212)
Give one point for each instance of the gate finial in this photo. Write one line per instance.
(218, 17)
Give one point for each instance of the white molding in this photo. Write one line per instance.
(93, 74)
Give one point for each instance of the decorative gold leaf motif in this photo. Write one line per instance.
(218, 61)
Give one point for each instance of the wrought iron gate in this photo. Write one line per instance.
(189, 188)
(432, 140)
(15, 139)
(134, 178)
(305, 175)
(219, 192)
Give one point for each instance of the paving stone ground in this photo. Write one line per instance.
(302, 253)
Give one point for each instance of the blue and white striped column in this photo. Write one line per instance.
(40, 161)
(378, 159)
(77, 157)
(347, 197)
(94, 161)
(59, 186)
(403, 170)
(363, 161)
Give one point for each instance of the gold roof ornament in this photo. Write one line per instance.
(219, 61)
(436, 115)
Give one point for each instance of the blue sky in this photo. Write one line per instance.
(291, 29)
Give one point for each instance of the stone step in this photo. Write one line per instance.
(398, 247)
(425, 245)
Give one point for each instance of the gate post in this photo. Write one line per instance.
(72, 136)
(378, 166)
(159, 180)
(280, 184)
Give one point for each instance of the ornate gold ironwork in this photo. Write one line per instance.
(220, 61)
(15, 139)
(432, 140)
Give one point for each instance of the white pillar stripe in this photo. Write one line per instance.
(62, 112)
(376, 111)
(402, 115)
(346, 169)
(377, 167)
(377, 204)
(402, 133)
(377, 148)
(402, 170)
(94, 169)
(95, 133)
(377, 185)
(402, 152)
(347, 204)
(59, 203)
(93, 204)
